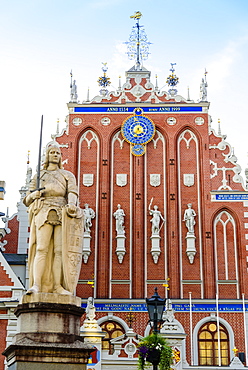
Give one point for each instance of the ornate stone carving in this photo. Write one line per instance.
(246, 177)
(199, 121)
(155, 179)
(203, 90)
(188, 179)
(90, 322)
(74, 96)
(121, 179)
(88, 179)
(90, 309)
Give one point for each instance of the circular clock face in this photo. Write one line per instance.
(138, 129)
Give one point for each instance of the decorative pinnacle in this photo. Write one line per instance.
(137, 46)
(172, 80)
(156, 85)
(219, 129)
(28, 161)
(104, 81)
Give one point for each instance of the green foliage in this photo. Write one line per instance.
(148, 345)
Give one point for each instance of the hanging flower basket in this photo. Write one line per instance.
(154, 349)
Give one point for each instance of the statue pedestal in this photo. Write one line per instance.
(120, 250)
(155, 251)
(93, 335)
(190, 251)
(86, 247)
(48, 334)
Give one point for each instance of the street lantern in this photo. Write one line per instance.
(155, 307)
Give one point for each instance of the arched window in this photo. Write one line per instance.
(209, 344)
(112, 330)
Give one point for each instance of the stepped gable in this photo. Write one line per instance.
(5, 279)
(9, 242)
(138, 88)
(225, 171)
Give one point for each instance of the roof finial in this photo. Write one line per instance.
(119, 88)
(172, 80)
(156, 84)
(104, 81)
(73, 88)
(137, 46)
(57, 131)
(219, 129)
(88, 95)
(203, 88)
(29, 172)
(188, 98)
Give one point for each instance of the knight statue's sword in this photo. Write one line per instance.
(39, 159)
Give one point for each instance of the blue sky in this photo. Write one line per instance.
(41, 41)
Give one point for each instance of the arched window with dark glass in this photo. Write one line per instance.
(209, 343)
(112, 330)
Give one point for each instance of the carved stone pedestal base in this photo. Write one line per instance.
(93, 335)
(120, 250)
(86, 247)
(48, 334)
(155, 251)
(191, 250)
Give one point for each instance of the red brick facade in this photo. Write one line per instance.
(194, 164)
(188, 146)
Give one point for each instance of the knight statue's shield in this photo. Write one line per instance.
(72, 246)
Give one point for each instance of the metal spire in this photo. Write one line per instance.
(137, 46)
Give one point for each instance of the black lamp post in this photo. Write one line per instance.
(155, 307)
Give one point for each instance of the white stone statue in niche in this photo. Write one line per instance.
(89, 214)
(155, 238)
(189, 218)
(156, 217)
(119, 216)
(120, 238)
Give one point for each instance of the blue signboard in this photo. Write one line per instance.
(225, 197)
(178, 307)
(121, 109)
